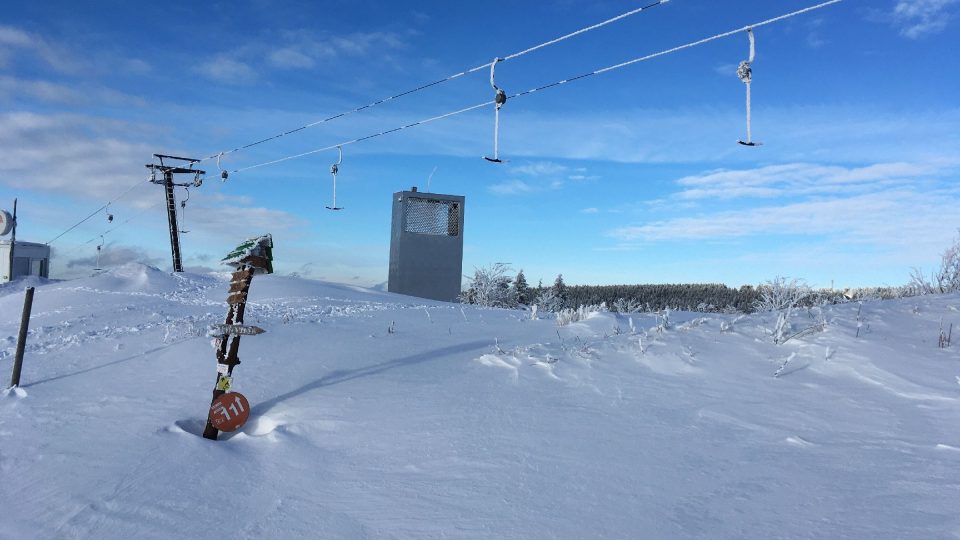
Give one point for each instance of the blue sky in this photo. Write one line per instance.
(632, 176)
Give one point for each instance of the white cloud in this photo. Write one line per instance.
(289, 57)
(512, 187)
(726, 70)
(919, 18)
(74, 155)
(136, 66)
(540, 168)
(362, 43)
(901, 211)
(55, 57)
(796, 179)
(590, 211)
(296, 49)
(231, 222)
(890, 218)
(15, 37)
(704, 134)
(227, 70)
(12, 88)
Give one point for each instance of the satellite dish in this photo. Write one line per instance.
(6, 223)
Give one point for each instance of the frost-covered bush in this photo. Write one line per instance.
(622, 305)
(663, 320)
(569, 315)
(490, 287)
(782, 296)
(779, 294)
(548, 300)
(945, 279)
(948, 276)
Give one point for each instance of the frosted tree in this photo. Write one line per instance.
(548, 301)
(521, 289)
(946, 279)
(490, 287)
(948, 276)
(781, 296)
(559, 290)
(780, 293)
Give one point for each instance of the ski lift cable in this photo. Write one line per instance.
(424, 86)
(107, 232)
(112, 229)
(97, 211)
(550, 85)
(128, 220)
(364, 138)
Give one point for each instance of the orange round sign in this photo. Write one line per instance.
(229, 411)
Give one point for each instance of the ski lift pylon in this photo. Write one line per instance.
(334, 169)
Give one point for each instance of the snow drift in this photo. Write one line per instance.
(382, 416)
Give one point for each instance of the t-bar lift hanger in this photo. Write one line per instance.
(745, 72)
(334, 169)
(499, 100)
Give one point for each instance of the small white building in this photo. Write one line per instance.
(29, 259)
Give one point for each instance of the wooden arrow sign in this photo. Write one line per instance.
(219, 330)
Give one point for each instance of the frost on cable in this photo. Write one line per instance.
(257, 253)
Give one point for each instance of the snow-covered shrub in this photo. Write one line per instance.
(622, 305)
(945, 279)
(569, 315)
(919, 285)
(781, 327)
(663, 320)
(490, 287)
(944, 340)
(727, 326)
(547, 300)
(948, 276)
(782, 296)
(779, 294)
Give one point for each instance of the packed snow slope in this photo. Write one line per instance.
(382, 416)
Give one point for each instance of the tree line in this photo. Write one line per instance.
(494, 287)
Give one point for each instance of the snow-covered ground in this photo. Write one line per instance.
(382, 416)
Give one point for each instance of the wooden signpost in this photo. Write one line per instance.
(229, 410)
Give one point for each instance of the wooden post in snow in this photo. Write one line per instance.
(22, 337)
(229, 410)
